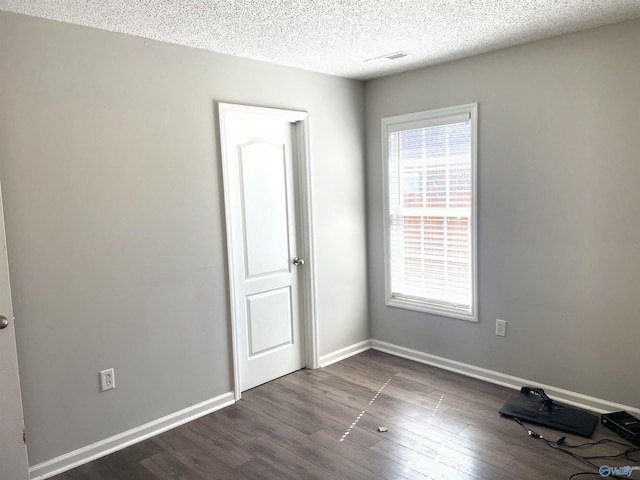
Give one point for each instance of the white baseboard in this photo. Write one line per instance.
(346, 352)
(109, 445)
(563, 396)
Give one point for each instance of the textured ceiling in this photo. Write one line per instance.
(338, 36)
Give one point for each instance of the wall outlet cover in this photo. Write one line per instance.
(107, 380)
(501, 328)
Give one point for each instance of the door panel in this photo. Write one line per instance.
(259, 164)
(263, 183)
(269, 320)
(13, 453)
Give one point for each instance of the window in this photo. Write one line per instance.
(430, 218)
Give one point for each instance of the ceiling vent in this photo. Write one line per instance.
(389, 57)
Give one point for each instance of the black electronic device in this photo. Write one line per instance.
(624, 424)
(544, 411)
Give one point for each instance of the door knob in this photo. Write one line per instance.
(298, 261)
(4, 322)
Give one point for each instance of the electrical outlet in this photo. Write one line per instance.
(501, 328)
(107, 380)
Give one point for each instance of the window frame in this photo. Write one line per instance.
(440, 116)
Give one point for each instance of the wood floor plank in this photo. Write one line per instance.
(196, 460)
(438, 444)
(332, 413)
(323, 457)
(296, 418)
(412, 459)
(218, 422)
(328, 388)
(282, 459)
(415, 424)
(122, 464)
(218, 444)
(165, 467)
(359, 376)
(300, 444)
(365, 457)
(332, 391)
(258, 469)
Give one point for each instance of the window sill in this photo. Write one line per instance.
(424, 307)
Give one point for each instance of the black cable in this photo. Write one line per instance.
(563, 447)
(603, 440)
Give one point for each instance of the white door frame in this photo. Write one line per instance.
(304, 221)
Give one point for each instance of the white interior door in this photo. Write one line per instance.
(13, 452)
(259, 155)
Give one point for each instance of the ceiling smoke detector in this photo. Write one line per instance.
(389, 57)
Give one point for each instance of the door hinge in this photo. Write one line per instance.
(24, 436)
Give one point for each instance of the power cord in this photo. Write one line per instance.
(564, 447)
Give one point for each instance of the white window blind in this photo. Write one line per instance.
(430, 235)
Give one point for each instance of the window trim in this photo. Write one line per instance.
(406, 122)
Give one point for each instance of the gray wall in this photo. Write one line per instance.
(559, 234)
(114, 214)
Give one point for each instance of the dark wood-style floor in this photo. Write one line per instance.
(323, 424)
